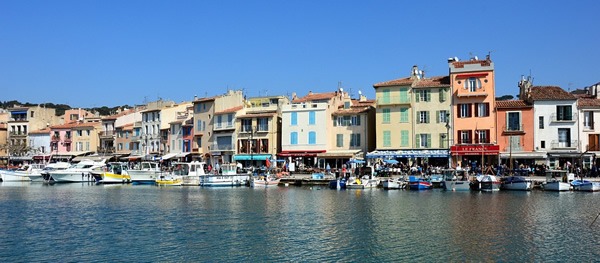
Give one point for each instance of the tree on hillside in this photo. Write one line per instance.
(505, 97)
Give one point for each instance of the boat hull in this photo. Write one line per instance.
(490, 186)
(111, 178)
(556, 186)
(8, 176)
(590, 187)
(72, 177)
(143, 177)
(393, 184)
(451, 185)
(222, 180)
(421, 185)
(518, 186)
(263, 183)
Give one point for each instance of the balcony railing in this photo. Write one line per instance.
(54, 138)
(563, 118)
(393, 100)
(572, 144)
(107, 134)
(106, 149)
(514, 149)
(588, 126)
(18, 133)
(67, 139)
(222, 147)
(18, 119)
(513, 129)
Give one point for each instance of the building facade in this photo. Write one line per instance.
(474, 118)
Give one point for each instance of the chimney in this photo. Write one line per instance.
(310, 92)
(422, 74)
(362, 98)
(294, 96)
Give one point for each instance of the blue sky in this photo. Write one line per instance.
(108, 53)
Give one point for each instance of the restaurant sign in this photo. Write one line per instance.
(475, 149)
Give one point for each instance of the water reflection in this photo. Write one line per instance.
(90, 222)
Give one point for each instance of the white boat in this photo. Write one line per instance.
(79, 172)
(115, 172)
(488, 183)
(265, 181)
(22, 174)
(455, 180)
(358, 183)
(189, 173)
(394, 183)
(585, 185)
(145, 173)
(228, 177)
(554, 181)
(517, 183)
(45, 173)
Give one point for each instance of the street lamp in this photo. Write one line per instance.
(448, 138)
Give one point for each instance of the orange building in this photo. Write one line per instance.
(474, 118)
(515, 133)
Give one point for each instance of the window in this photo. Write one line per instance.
(230, 120)
(442, 94)
(263, 124)
(423, 117)
(312, 137)
(386, 96)
(513, 121)
(32, 114)
(464, 136)
(343, 121)
(564, 137)
(356, 120)
(464, 110)
(404, 138)
(543, 144)
(423, 95)
(219, 120)
(355, 140)
(588, 120)
(403, 115)
(404, 95)
(294, 138)
(483, 109)
(172, 145)
(541, 120)
(120, 147)
(246, 125)
(483, 136)
(311, 118)
(563, 113)
(87, 146)
(472, 84)
(199, 142)
(386, 115)
(423, 140)
(294, 119)
(442, 116)
(347, 105)
(340, 140)
(387, 139)
(443, 140)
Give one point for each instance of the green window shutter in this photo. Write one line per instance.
(437, 116)
(404, 138)
(418, 141)
(417, 96)
(428, 140)
(427, 117)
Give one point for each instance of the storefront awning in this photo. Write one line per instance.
(169, 156)
(95, 158)
(300, 153)
(409, 154)
(338, 154)
(524, 155)
(483, 149)
(565, 155)
(183, 155)
(21, 158)
(248, 157)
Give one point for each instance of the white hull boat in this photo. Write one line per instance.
(585, 185)
(517, 183)
(12, 176)
(393, 184)
(357, 183)
(22, 174)
(556, 186)
(265, 181)
(115, 174)
(80, 172)
(223, 180)
(146, 173)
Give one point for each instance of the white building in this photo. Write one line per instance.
(588, 105)
(555, 120)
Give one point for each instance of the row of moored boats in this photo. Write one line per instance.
(180, 173)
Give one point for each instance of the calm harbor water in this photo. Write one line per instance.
(92, 223)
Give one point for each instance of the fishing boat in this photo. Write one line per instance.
(265, 181)
(145, 173)
(338, 184)
(556, 180)
(417, 183)
(79, 172)
(22, 174)
(517, 183)
(585, 185)
(455, 180)
(169, 180)
(361, 183)
(228, 177)
(114, 172)
(394, 183)
(489, 183)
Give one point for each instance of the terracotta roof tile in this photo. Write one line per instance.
(42, 131)
(257, 115)
(512, 104)
(550, 93)
(357, 107)
(437, 81)
(115, 116)
(315, 96)
(76, 125)
(230, 110)
(394, 82)
(588, 103)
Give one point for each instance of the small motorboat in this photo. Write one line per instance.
(518, 183)
(416, 183)
(394, 183)
(585, 185)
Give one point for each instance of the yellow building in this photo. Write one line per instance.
(413, 119)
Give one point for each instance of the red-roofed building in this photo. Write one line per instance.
(515, 131)
(588, 104)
